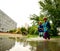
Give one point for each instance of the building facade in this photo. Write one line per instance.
(6, 23)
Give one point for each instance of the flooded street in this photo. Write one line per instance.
(13, 44)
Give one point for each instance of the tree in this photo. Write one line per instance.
(51, 8)
(33, 30)
(35, 19)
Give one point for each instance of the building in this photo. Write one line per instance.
(26, 26)
(6, 23)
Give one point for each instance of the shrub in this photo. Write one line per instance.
(24, 31)
(32, 30)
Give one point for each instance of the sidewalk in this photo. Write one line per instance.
(10, 35)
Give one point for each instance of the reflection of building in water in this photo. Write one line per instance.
(6, 23)
(6, 44)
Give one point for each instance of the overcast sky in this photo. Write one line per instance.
(20, 10)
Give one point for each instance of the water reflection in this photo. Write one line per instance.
(48, 46)
(20, 47)
(5, 44)
(15, 44)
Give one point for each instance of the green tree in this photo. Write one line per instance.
(51, 9)
(36, 18)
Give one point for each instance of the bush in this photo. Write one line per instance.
(12, 31)
(18, 31)
(32, 30)
(24, 31)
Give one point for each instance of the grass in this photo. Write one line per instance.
(55, 36)
(31, 36)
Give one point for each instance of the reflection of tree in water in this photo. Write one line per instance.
(6, 44)
(48, 46)
(41, 45)
(38, 46)
(33, 45)
(53, 46)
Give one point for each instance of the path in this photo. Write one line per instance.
(10, 35)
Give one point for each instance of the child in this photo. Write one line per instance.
(40, 29)
(46, 26)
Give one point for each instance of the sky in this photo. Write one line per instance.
(20, 10)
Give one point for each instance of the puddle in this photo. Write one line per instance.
(12, 44)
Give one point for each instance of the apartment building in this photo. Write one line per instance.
(6, 23)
